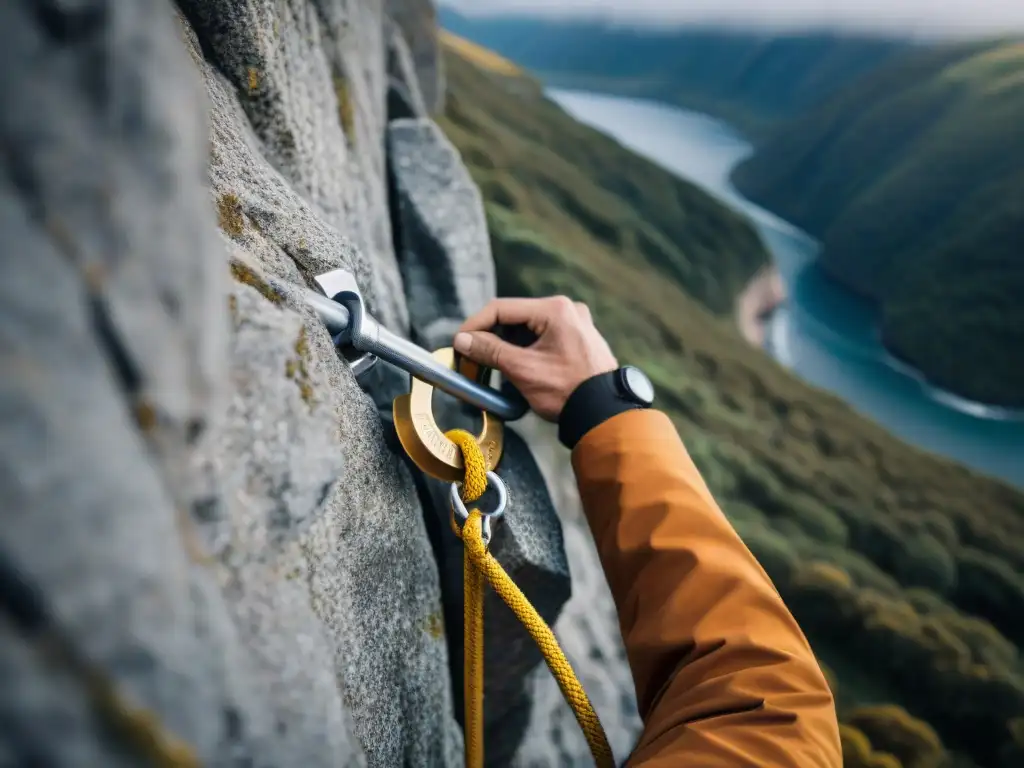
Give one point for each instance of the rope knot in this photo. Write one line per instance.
(475, 482)
(480, 567)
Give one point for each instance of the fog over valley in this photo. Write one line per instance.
(959, 18)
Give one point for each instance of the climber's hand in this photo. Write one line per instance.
(568, 351)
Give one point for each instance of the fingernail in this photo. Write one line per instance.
(463, 343)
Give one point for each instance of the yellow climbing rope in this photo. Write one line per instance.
(478, 564)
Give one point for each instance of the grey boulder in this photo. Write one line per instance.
(444, 249)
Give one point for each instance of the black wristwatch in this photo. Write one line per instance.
(599, 398)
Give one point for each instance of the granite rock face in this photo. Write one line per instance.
(309, 77)
(417, 19)
(366, 563)
(205, 521)
(271, 468)
(405, 99)
(112, 303)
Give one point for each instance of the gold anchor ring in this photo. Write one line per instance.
(429, 447)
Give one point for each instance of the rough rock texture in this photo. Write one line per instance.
(445, 253)
(404, 96)
(417, 19)
(588, 630)
(309, 77)
(205, 522)
(270, 468)
(111, 304)
(369, 570)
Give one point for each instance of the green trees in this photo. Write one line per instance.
(858, 752)
(891, 729)
(957, 672)
(994, 588)
(912, 177)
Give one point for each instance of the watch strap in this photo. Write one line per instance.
(592, 403)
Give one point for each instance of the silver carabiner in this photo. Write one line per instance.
(459, 508)
(343, 310)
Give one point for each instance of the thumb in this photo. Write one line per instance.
(487, 349)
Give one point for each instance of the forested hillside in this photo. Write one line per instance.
(906, 159)
(914, 179)
(904, 569)
(538, 161)
(749, 78)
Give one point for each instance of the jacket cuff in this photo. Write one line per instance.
(591, 404)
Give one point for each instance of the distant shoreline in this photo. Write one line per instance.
(763, 295)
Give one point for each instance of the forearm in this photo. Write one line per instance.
(723, 674)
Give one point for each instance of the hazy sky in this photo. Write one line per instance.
(956, 17)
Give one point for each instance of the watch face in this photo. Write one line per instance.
(638, 385)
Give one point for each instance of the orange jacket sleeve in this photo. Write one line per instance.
(723, 674)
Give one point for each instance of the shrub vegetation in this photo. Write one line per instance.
(902, 568)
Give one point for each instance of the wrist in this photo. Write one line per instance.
(601, 397)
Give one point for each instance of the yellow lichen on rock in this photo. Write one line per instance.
(145, 415)
(297, 370)
(229, 214)
(346, 111)
(245, 274)
(435, 624)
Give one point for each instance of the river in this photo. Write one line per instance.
(823, 333)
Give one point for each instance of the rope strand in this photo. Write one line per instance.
(473, 678)
(477, 564)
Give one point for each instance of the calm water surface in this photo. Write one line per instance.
(825, 334)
